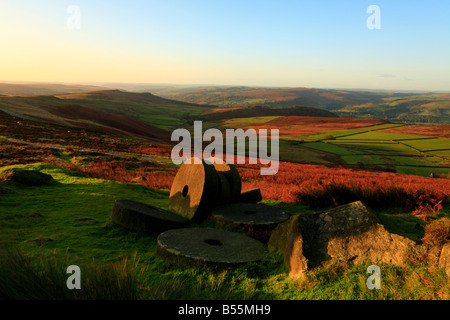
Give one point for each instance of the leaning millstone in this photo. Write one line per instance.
(208, 247)
(138, 216)
(28, 177)
(250, 196)
(230, 173)
(348, 233)
(194, 190)
(444, 259)
(258, 219)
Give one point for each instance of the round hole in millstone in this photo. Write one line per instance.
(138, 216)
(249, 214)
(185, 190)
(208, 247)
(213, 242)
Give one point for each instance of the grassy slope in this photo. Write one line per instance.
(51, 212)
(156, 111)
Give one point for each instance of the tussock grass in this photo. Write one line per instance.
(23, 277)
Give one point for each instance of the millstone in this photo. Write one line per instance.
(258, 219)
(223, 192)
(230, 172)
(194, 189)
(241, 214)
(208, 247)
(250, 196)
(138, 216)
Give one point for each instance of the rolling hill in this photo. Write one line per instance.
(393, 106)
(139, 114)
(111, 111)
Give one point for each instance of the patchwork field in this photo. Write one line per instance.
(362, 143)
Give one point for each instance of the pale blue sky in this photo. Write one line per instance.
(295, 43)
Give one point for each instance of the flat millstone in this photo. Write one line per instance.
(249, 214)
(208, 247)
(138, 216)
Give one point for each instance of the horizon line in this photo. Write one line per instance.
(199, 85)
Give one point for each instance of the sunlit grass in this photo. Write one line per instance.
(123, 265)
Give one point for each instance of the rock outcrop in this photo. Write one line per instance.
(349, 233)
(444, 259)
(28, 177)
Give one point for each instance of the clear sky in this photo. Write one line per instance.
(293, 43)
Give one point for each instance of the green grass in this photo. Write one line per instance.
(378, 147)
(168, 117)
(441, 153)
(429, 144)
(304, 153)
(100, 249)
(421, 171)
(244, 122)
(348, 134)
(380, 136)
(330, 147)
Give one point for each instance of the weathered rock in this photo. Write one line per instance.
(287, 238)
(194, 190)
(257, 219)
(250, 196)
(138, 216)
(28, 177)
(208, 247)
(444, 259)
(349, 233)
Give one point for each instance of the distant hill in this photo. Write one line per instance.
(123, 97)
(281, 97)
(423, 108)
(392, 106)
(38, 89)
(112, 111)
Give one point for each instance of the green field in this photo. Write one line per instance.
(244, 122)
(364, 147)
(354, 133)
(379, 136)
(429, 144)
(370, 146)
